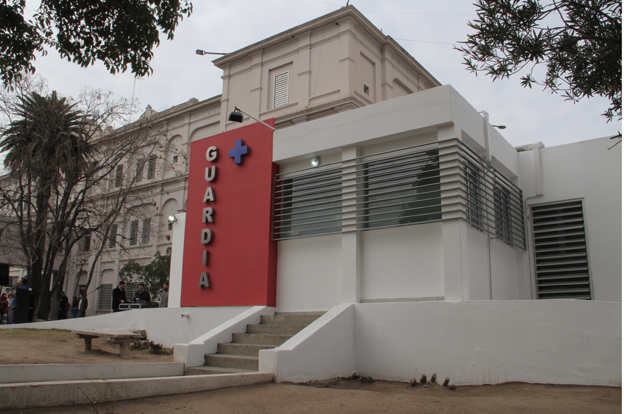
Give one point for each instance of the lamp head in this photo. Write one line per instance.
(236, 116)
(172, 219)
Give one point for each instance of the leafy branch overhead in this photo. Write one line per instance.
(121, 33)
(578, 41)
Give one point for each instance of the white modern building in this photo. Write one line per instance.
(430, 242)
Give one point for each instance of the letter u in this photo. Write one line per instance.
(211, 173)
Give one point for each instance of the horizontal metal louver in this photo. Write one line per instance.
(560, 250)
(308, 204)
(281, 90)
(423, 183)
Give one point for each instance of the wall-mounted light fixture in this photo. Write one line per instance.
(315, 162)
(172, 219)
(237, 116)
(203, 52)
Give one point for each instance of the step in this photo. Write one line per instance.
(261, 339)
(204, 370)
(231, 361)
(318, 313)
(304, 319)
(283, 329)
(242, 349)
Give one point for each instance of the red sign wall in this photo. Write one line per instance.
(229, 257)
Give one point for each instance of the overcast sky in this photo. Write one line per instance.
(427, 30)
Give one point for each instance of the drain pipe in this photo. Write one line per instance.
(539, 188)
(488, 158)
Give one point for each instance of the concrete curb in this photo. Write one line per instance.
(11, 374)
(51, 394)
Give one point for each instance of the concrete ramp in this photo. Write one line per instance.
(59, 393)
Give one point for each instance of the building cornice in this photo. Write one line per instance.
(348, 11)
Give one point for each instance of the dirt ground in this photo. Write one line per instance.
(334, 396)
(53, 346)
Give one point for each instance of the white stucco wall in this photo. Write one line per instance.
(402, 117)
(475, 263)
(324, 349)
(309, 273)
(505, 274)
(177, 255)
(489, 342)
(402, 262)
(471, 342)
(586, 171)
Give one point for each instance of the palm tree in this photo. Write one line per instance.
(44, 147)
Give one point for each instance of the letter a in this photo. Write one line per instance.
(204, 280)
(209, 196)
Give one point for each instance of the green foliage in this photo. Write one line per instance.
(579, 42)
(119, 33)
(153, 274)
(46, 138)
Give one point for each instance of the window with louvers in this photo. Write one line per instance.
(402, 190)
(308, 204)
(131, 288)
(151, 168)
(86, 244)
(280, 96)
(474, 195)
(119, 176)
(105, 300)
(138, 175)
(503, 214)
(145, 234)
(134, 232)
(112, 236)
(560, 249)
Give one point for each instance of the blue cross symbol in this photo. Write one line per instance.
(238, 151)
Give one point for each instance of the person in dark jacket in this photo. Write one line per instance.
(142, 296)
(83, 304)
(63, 306)
(119, 296)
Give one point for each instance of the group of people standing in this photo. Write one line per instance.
(8, 303)
(141, 296)
(7, 306)
(79, 305)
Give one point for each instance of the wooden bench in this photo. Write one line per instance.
(122, 338)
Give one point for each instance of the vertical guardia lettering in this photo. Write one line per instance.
(207, 215)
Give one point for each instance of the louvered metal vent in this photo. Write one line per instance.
(560, 251)
(281, 90)
(424, 183)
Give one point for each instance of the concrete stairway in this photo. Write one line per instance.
(241, 355)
